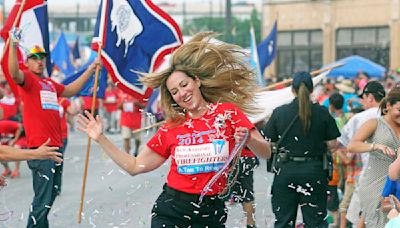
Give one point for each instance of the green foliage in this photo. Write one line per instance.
(240, 28)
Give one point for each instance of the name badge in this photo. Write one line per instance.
(128, 106)
(49, 100)
(204, 158)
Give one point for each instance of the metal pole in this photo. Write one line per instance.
(211, 16)
(184, 14)
(4, 12)
(77, 17)
(228, 21)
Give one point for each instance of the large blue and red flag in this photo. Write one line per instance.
(135, 36)
(34, 25)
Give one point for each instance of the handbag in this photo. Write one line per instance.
(272, 162)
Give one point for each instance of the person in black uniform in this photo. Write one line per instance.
(300, 178)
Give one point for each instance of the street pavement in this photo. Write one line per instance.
(112, 198)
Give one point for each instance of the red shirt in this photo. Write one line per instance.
(41, 117)
(21, 142)
(199, 147)
(247, 153)
(87, 103)
(64, 104)
(111, 100)
(130, 115)
(8, 128)
(9, 105)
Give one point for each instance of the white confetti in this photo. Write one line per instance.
(34, 220)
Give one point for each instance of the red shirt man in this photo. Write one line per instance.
(41, 121)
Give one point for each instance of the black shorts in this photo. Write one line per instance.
(178, 209)
(333, 198)
(243, 191)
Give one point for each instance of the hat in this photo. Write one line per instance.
(374, 87)
(345, 86)
(302, 77)
(37, 51)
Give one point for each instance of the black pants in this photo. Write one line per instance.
(46, 177)
(243, 189)
(170, 210)
(300, 184)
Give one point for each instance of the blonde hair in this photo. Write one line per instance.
(224, 74)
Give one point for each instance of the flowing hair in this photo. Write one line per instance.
(223, 71)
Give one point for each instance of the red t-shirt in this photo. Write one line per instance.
(111, 100)
(130, 115)
(64, 104)
(7, 130)
(9, 105)
(87, 103)
(41, 117)
(247, 153)
(21, 142)
(199, 147)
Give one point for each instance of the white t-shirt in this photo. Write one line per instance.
(355, 123)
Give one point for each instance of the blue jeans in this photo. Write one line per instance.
(46, 176)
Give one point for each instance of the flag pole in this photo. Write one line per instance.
(94, 98)
(313, 73)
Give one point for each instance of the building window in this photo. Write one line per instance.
(372, 43)
(298, 51)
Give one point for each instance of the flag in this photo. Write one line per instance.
(60, 56)
(34, 25)
(87, 89)
(254, 63)
(75, 49)
(152, 106)
(267, 49)
(135, 36)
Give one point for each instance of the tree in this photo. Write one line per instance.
(240, 28)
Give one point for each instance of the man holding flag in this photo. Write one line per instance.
(39, 95)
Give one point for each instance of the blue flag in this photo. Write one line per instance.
(135, 36)
(87, 89)
(267, 49)
(75, 49)
(60, 56)
(254, 62)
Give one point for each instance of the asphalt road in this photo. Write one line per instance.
(112, 198)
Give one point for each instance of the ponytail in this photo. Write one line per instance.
(303, 95)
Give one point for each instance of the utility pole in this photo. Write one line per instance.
(220, 8)
(3, 5)
(184, 15)
(210, 21)
(77, 17)
(228, 21)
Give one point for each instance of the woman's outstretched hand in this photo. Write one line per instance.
(91, 126)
